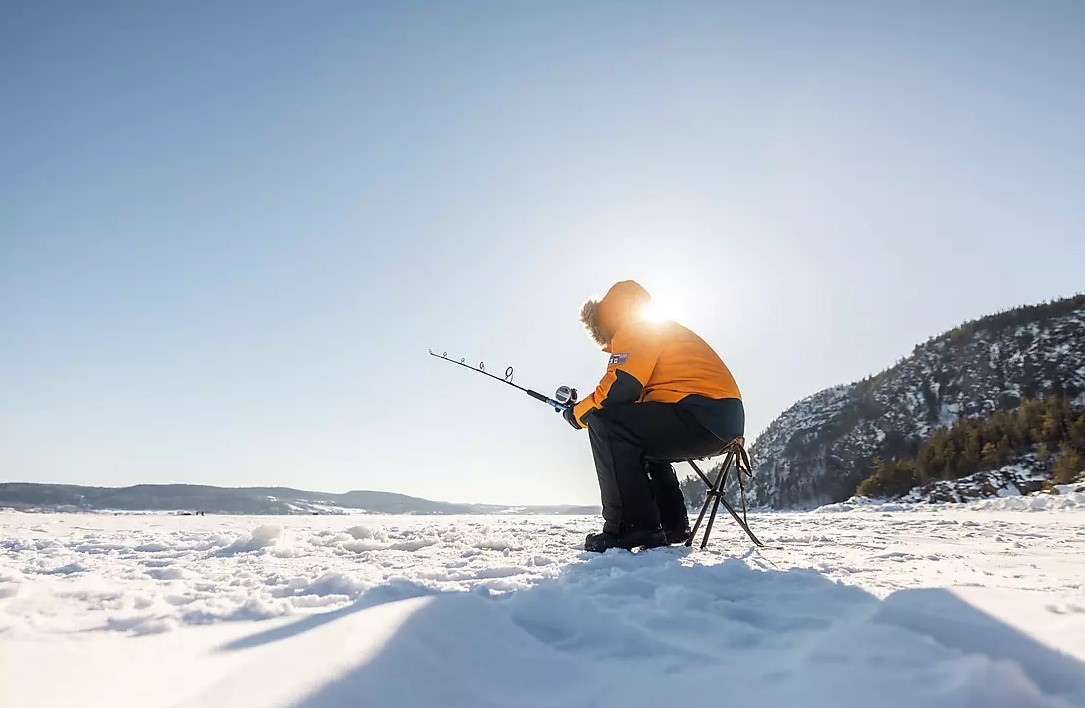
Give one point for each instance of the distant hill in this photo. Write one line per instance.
(242, 500)
(820, 449)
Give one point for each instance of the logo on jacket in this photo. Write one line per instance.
(616, 359)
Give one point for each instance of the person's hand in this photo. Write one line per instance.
(567, 396)
(570, 417)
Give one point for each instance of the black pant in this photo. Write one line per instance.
(634, 445)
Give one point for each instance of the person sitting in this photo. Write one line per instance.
(666, 396)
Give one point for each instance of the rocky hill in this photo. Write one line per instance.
(821, 448)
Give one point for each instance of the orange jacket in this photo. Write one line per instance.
(649, 361)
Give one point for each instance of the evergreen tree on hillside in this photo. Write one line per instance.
(1068, 466)
(1048, 428)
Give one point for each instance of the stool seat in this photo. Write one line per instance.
(739, 441)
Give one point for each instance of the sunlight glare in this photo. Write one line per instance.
(657, 311)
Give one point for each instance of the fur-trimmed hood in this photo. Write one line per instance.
(622, 303)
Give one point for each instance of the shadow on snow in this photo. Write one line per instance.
(652, 630)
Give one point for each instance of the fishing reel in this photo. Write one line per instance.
(565, 395)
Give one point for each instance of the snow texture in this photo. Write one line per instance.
(948, 605)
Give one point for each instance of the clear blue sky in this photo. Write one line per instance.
(229, 231)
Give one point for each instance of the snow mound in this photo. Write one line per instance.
(360, 533)
(496, 543)
(338, 583)
(261, 537)
(863, 504)
(10, 580)
(1070, 500)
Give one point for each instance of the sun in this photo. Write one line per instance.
(657, 311)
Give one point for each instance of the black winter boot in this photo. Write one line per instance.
(647, 538)
(676, 536)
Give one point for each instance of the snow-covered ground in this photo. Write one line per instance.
(952, 606)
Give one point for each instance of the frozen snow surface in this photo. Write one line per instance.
(956, 605)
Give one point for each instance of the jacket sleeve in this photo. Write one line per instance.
(635, 352)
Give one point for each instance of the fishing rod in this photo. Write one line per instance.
(563, 399)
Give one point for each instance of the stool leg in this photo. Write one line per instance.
(717, 491)
(700, 517)
(742, 523)
(707, 501)
(702, 475)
